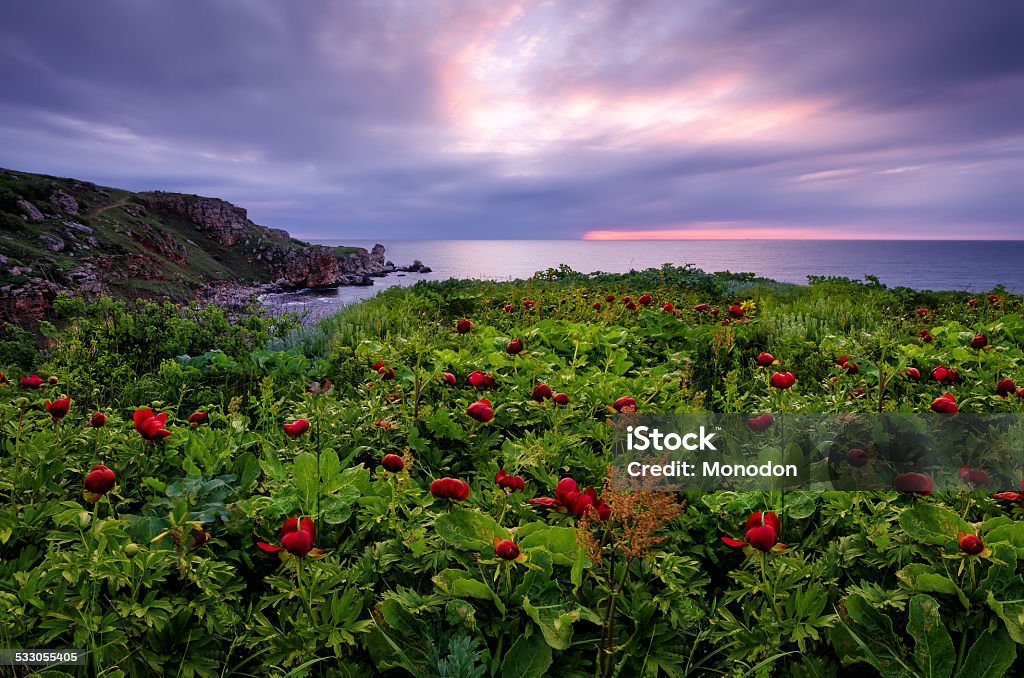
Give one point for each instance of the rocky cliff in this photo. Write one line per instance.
(62, 235)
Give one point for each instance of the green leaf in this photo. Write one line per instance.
(461, 584)
(990, 657)
(1012, 533)
(923, 579)
(468, 530)
(933, 647)
(933, 524)
(527, 658)
(555, 621)
(560, 542)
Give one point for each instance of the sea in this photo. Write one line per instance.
(972, 265)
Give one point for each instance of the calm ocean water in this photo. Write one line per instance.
(975, 265)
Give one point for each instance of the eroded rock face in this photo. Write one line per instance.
(318, 266)
(30, 300)
(63, 203)
(223, 221)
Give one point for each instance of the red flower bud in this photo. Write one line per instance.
(198, 418)
(782, 380)
(34, 381)
(99, 420)
(597, 305)
(540, 392)
(450, 488)
(514, 347)
(463, 326)
(625, 404)
(509, 482)
(296, 428)
(644, 299)
(507, 308)
(506, 549)
(765, 359)
(1005, 387)
(979, 341)
(560, 399)
(945, 404)
(99, 481)
(528, 303)
(392, 463)
(973, 476)
(449, 378)
(913, 374)
(913, 483)
(610, 298)
(481, 411)
(760, 423)
(970, 544)
(701, 308)
(857, 457)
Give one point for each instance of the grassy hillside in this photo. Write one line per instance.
(115, 239)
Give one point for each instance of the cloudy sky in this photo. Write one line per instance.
(489, 119)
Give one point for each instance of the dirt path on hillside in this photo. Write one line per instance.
(121, 202)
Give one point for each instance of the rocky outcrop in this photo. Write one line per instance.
(319, 266)
(30, 211)
(223, 221)
(29, 300)
(63, 203)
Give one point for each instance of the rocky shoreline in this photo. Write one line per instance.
(65, 236)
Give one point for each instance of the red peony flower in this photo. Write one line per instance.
(735, 311)
(973, 476)
(597, 305)
(507, 308)
(98, 482)
(99, 420)
(509, 482)
(760, 423)
(386, 373)
(296, 537)
(979, 341)
(478, 379)
(926, 336)
(851, 367)
(630, 305)
(392, 463)
(150, 426)
(970, 544)
(668, 308)
(58, 409)
(528, 303)
(922, 312)
(198, 418)
(913, 374)
(450, 488)
(569, 497)
(765, 359)
(34, 381)
(644, 299)
(541, 392)
(972, 302)
(625, 404)
(714, 311)
(481, 411)
(857, 457)
(506, 549)
(449, 378)
(627, 300)
(514, 347)
(945, 404)
(296, 428)
(560, 399)
(463, 326)
(945, 375)
(610, 298)
(761, 532)
(782, 380)
(992, 298)
(1005, 387)
(700, 308)
(913, 483)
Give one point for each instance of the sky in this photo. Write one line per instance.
(489, 119)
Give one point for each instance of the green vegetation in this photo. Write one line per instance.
(237, 545)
